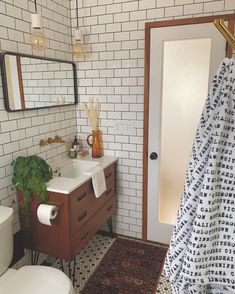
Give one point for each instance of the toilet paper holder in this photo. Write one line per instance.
(48, 212)
(58, 205)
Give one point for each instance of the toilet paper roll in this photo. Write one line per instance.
(45, 213)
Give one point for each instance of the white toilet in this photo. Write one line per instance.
(34, 279)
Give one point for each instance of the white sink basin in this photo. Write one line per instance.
(73, 172)
(75, 168)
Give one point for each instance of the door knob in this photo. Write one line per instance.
(153, 156)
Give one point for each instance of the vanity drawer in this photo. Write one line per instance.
(103, 214)
(83, 195)
(80, 238)
(79, 217)
(80, 196)
(85, 233)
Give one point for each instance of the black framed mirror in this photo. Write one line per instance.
(33, 82)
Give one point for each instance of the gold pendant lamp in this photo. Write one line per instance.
(78, 46)
(37, 39)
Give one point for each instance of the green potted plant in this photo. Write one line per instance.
(30, 174)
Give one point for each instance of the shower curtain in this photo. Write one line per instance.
(201, 255)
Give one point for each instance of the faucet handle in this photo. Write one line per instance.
(43, 143)
(57, 171)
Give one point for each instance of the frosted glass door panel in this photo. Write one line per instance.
(186, 64)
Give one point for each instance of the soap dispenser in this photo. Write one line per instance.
(75, 144)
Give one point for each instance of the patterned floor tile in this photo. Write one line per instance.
(89, 258)
(164, 286)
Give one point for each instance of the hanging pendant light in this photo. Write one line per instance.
(78, 47)
(37, 39)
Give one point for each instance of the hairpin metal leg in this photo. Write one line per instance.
(74, 270)
(34, 257)
(69, 265)
(31, 256)
(110, 226)
(61, 264)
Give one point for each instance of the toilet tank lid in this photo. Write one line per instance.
(6, 216)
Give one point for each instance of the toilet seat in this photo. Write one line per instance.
(37, 280)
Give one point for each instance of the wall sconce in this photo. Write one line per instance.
(37, 39)
(78, 47)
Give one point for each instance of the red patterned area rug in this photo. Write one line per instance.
(128, 266)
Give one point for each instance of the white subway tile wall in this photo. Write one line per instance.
(20, 132)
(113, 71)
(114, 32)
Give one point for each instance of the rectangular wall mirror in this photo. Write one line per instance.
(32, 82)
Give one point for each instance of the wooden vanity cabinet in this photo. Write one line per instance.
(80, 215)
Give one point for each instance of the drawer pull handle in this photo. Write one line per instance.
(84, 236)
(81, 196)
(110, 207)
(82, 215)
(108, 191)
(108, 176)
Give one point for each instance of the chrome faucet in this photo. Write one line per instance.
(56, 139)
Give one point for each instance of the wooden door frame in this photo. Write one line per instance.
(148, 26)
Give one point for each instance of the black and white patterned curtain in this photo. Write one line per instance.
(201, 256)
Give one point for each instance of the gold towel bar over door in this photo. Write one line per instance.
(219, 23)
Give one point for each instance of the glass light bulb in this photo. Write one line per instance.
(38, 40)
(78, 49)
